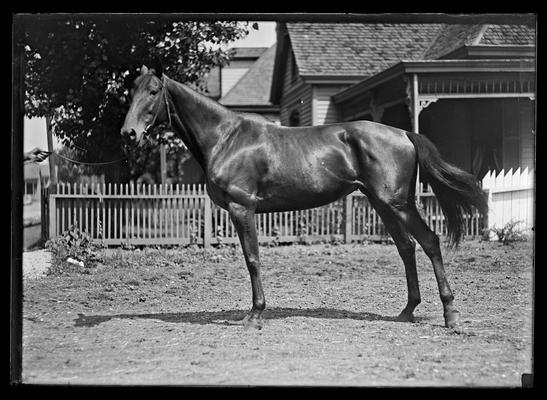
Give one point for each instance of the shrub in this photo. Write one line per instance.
(510, 232)
(73, 244)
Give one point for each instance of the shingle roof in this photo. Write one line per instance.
(357, 49)
(452, 37)
(509, 35)
(253, 88)
(212, 79)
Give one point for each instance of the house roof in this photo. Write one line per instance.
(362, 50)
(212, 78)
(248, 52)
(253, 88)
(452, 37)
(509, 35)
(358, 49)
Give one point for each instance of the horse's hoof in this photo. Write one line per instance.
(452, 319)
(405, 317)
(252, 322)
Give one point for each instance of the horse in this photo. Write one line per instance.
(255, 166)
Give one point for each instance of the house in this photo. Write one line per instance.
(244, 84)
(469, 88)
(251, 92)
(35, 177)
(314, 61)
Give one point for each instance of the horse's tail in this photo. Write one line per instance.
(456, 190)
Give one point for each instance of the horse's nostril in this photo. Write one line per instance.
(129, 133)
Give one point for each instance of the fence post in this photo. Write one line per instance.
(207, 222)
(347, 218)
(52, 210)
(44, 220)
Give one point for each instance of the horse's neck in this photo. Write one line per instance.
(200, 119)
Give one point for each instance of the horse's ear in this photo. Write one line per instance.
(130, 79)
(144, 69)
(157, 67)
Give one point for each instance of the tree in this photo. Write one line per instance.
(77, 70)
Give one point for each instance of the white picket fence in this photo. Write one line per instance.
(511, 197)
(115, 214)
(167, 215)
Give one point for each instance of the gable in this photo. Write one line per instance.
(253, 87)
(453, 37)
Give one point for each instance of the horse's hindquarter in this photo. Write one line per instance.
(386, 158)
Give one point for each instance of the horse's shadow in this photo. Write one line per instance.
(234, 317)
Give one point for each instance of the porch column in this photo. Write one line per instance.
(416, 121)
(415, 105)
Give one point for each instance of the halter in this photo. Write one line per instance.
(164, 93)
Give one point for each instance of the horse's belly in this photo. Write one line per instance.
(300, 196)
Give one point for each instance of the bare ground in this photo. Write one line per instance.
(172, 317)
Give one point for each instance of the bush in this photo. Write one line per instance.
(72, 248)
(510, 232)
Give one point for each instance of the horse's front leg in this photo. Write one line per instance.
(243, 219)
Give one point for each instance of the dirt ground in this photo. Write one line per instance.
(172, 317)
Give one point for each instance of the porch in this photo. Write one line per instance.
(479, 113)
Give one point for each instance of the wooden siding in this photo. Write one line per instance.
(296, 95)
(324, 110)
(288, 79)
(299, 98)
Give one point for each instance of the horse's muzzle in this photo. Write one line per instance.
(130, 134)
(130, 137)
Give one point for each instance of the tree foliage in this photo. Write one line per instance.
(77, 70)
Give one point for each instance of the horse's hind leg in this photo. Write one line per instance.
(406, 247)
(431, 245)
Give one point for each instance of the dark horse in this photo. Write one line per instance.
(255, 166)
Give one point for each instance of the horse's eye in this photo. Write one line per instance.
(153, 92)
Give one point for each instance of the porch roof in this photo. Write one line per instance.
(447, 67)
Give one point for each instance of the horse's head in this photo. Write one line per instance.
(147, 106)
